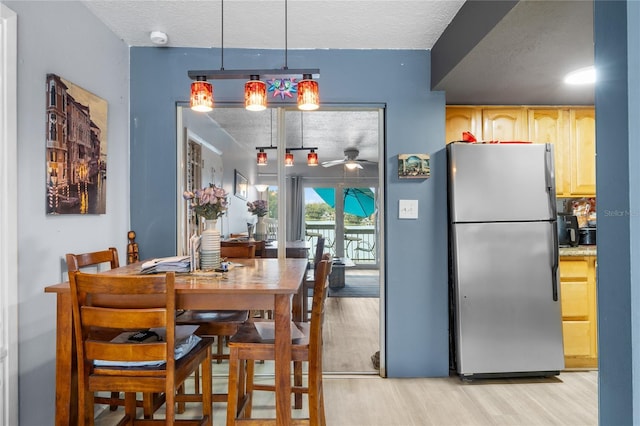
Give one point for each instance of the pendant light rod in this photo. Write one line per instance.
(223, 74)
(286, 37)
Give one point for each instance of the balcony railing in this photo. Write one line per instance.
(359, 241)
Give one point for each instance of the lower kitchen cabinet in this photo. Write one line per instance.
(578, 298)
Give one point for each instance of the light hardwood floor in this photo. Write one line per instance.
(368, 400)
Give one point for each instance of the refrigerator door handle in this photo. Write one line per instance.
(554, 261)
(550, 177)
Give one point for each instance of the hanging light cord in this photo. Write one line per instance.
(222, 34)
(286, 66)
(301, 129)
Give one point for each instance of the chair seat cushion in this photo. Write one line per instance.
(197, 317)
(264, 332)
(185, 342)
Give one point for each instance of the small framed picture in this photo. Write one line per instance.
(240, 185)
(413, 166)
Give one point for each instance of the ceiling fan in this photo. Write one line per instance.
(350, 160)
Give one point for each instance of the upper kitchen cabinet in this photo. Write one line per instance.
(462, 119)
(582, 143)
(504, 124)
(570, 129)
(550, 125)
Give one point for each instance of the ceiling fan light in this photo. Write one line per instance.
(308, 94)
(288, 159)
(201, 95)
(262, 158)
(352, 165)
(312, 158)
(255, 94)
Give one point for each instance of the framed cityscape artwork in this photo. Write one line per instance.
(76, 149)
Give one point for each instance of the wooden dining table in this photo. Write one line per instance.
(250, 284)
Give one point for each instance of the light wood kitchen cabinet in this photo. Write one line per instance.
(463, 119)
(570, 129)
(504, 124)
(582, 143)
(578, 299)
(550, 125)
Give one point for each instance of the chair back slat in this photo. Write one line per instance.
(123, 318)
(76, 262)
(126, 352)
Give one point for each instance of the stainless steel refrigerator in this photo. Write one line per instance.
(505, 301)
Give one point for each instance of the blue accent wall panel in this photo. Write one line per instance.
(416, 250)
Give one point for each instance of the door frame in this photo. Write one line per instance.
(8, 218)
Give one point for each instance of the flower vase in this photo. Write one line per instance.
(210, 246)
(261, 229)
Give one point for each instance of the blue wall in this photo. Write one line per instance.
(617, 60)
(416, 250)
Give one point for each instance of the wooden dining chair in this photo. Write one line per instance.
(98, 261)
(247, 346)
(109, 311)
(309, 281)
(239, 251)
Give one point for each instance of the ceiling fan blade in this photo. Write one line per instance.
(332, 163)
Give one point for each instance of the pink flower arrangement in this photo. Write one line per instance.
(258, 208)
(210, 202)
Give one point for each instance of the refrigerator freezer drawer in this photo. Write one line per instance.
(507, 320)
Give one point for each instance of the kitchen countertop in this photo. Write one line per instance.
(578, 251)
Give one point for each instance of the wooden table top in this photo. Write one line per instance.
(256, 276)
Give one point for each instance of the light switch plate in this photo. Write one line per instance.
(408, 209)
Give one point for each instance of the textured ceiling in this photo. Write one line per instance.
(483, 52)
(311, 24)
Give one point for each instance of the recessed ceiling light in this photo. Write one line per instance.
(585, 75)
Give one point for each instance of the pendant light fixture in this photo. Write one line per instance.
(312, 158)
(261, 159)
(201, 95)
(288, 159)
(255, 90)
(308, 97)
(255, 94)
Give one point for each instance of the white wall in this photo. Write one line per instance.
(63, 38)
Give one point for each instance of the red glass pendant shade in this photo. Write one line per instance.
(201, 96)
(308, 94)
(312, 158)
(262, 158)
(255, 94)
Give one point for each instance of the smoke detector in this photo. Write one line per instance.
(158, 37)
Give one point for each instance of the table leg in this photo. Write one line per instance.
(282, 314)
(66, 377)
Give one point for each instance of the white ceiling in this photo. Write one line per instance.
(311, 24)
(505, 52)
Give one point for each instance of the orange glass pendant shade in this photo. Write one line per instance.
(308, 94)
(288, 159)
(255, 94)
(201, 96)
(312, 158)
(262, 158)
